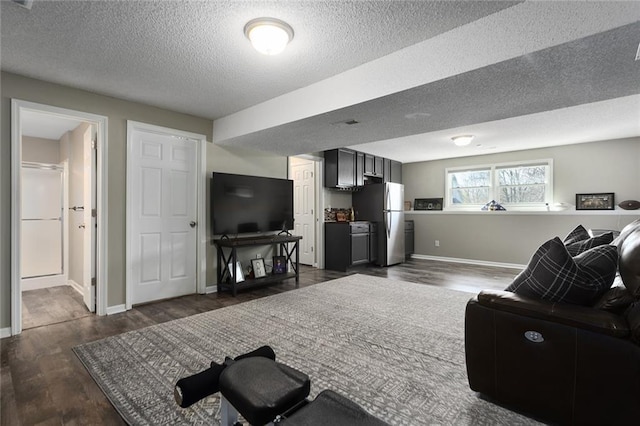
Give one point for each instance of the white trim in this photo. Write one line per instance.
(201, 237)
(469, 261)
(101, 123)
(494, 187)
(320, 212)
(37, 283)
(77, 287)
(201, 234)
(568, 212)
(117, 309)
(5, 332)
(211, 289)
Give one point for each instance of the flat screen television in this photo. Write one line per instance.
(250, 204)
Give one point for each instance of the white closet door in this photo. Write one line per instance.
(164, 214)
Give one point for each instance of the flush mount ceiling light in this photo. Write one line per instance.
(462, 140)
(269, 36)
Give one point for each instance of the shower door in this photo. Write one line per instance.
(41, 243)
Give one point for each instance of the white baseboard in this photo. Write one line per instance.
(5, 332)
(77, 287)
(211, 289)
(469, 261)
(38, 283)
(117, 309)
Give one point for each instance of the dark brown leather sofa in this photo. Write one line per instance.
(561, 363)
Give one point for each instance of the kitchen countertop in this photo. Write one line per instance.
(346, 221)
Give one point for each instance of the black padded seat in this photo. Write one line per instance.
(260, 388)
(330, 408)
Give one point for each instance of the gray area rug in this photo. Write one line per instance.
(395, 348)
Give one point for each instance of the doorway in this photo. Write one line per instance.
(57, 222)
(306, 173)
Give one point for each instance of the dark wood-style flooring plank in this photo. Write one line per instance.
(44, 383)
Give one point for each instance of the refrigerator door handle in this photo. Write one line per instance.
(387, 197)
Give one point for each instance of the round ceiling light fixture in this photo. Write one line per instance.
(462, 140)
(268, 36)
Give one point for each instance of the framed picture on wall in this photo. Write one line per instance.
(428, 204)
(597, 201)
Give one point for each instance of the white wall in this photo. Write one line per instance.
(511, 237)
(117, 111)
(40, 150)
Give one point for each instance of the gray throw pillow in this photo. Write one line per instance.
(553, 274)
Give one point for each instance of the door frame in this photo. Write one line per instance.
(101, 123)
(318, 201)
(201, 229)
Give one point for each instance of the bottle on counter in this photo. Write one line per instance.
(352, 215)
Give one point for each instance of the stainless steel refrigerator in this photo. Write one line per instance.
(383, 203)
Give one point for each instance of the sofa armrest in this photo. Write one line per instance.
(583, 317)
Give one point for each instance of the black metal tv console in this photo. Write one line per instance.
(226, 274)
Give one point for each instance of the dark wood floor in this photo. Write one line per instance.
(43, 382)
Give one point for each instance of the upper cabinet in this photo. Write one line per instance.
(359, 168)
(345, 168)
(392, 171)
(373, 166)
(340, 168)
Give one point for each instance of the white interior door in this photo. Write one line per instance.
(163, 215)
(89, 220)
(304, 207)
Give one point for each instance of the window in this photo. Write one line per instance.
(525, 185)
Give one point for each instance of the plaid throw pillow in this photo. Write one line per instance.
(576, 248)
(553, 274)
(578, 234)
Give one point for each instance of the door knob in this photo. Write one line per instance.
(192, 224)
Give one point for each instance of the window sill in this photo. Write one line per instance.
(568, 212)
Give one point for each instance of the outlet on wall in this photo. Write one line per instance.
(437, 242)
(258, 256)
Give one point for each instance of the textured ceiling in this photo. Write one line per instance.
(411, 72)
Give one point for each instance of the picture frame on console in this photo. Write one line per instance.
(279, 265)
(259, 271)
(239, 272)
(596, 201)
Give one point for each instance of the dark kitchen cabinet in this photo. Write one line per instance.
(359, 243)
(359, 169)
(373, 242)
(378, 166)
(347, 244)
(345, 168)
(373, 166)
(368, 164)
(340, 168)
(409, 238)
(392, 171)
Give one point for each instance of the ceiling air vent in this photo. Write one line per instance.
(24, 3)
(345, 123)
